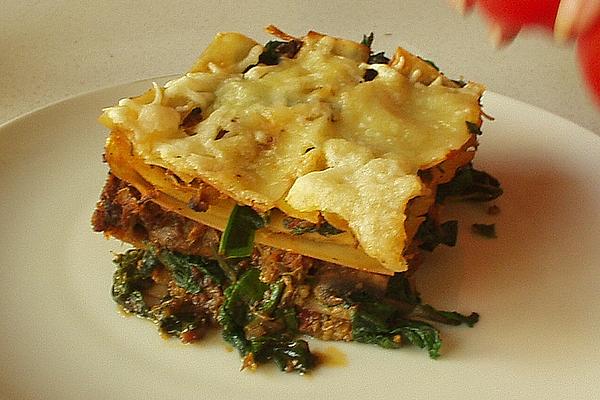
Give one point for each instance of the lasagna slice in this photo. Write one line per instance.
(287, 188)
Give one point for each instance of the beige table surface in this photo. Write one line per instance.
(51, 50)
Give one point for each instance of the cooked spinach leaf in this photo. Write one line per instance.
(298, 226)
(175, 324)
(374, 58)
(378, 58)
(256, 320)
(184, 274)
(230, 267)
(486, 230)
(420, 334)
(368, 40)
(185, 269)
(380, 324)
(270, 55)
(473, 128)
(131, 277)
(288, 355)
(238, 238)
(234, 314)
(257, 325)
(275, 49)
(470, 184)
(400, 317)
(425, 311)
(430, 234)
(370, 324)
(270, 304)
(399, 288)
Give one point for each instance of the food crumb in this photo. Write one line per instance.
(486, 230)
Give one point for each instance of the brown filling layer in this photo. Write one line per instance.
(314, 287)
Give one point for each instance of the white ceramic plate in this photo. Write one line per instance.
(536, 286)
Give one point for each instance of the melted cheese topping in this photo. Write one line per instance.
(371, 193)
(307, 135)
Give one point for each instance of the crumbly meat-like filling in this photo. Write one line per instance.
(123, 213)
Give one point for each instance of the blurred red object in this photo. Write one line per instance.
(509, 16)
(519, 13)
(588, 49)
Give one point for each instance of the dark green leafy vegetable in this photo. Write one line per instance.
(470, 184)
(270, 55)
(185, 269)
(238, 238)
(371, 324)
(378, 58)
(288, 355)
(374, 58)
(175, 324)
(486, 230)
(300, 226)
(425, 311)
(230, 267)
(275, 49)
(255, 319)
(133, 277)
(130, 279)
(473, 128)
(431, 234)
(401, 317)
(399, 288)
(380, 324)
(269, 305)
(368, 40)
(256, 324)
(420, 334)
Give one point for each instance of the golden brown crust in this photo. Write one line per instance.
(161, 186)
(198, 200)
